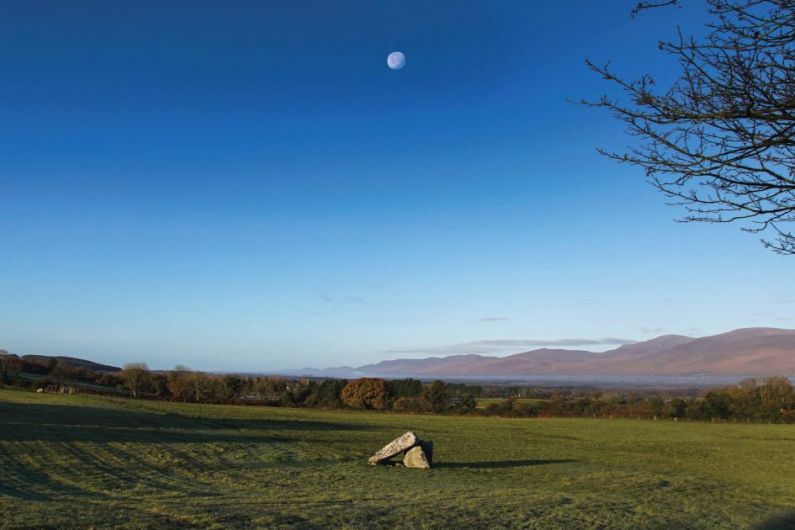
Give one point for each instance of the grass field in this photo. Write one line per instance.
(83, 461)
(482, 403)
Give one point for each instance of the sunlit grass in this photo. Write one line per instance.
(86, 461)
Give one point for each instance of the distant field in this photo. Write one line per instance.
(485, 402)
(82, 461)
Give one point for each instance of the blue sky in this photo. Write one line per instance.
(247, 186)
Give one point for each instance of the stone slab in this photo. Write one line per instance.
(393, 448)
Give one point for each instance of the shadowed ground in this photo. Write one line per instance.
(81, 461)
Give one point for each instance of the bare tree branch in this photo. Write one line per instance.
(720, 140)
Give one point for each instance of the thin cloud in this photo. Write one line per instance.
(505, 346)
(493, 319)
(653, 331)
(328, 299)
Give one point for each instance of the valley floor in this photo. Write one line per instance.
(84, 461)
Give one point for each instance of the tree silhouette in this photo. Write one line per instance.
(719, 140)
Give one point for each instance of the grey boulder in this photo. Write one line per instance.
(393, 448)
(416, 458)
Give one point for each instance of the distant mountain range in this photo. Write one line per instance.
(743, 352)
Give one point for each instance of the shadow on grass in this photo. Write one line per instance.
(20, 422)
(19, 480)
(27, 495)
(499, 464)
(780, 522)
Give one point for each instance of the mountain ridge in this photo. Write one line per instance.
(742, 352)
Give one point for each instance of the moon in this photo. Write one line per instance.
(396, 60)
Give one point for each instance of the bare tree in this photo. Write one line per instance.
(62, 372)
(719, 140)
(135, 376)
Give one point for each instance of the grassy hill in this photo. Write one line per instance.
(82, 461)
(73, 362)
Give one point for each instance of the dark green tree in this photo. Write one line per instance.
(232, 386)
(656, 405)
(405, 388)
(467, 404)
(717, 404)
(437, 396)
(10, 367)
(678, 408)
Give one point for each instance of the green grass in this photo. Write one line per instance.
(83, 461)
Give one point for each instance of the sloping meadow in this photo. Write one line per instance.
(82, 461)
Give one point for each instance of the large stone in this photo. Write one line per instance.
(416, 458)
(395, 447)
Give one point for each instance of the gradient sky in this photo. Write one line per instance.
(247, 186)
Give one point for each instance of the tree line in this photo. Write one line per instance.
(769, 400)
